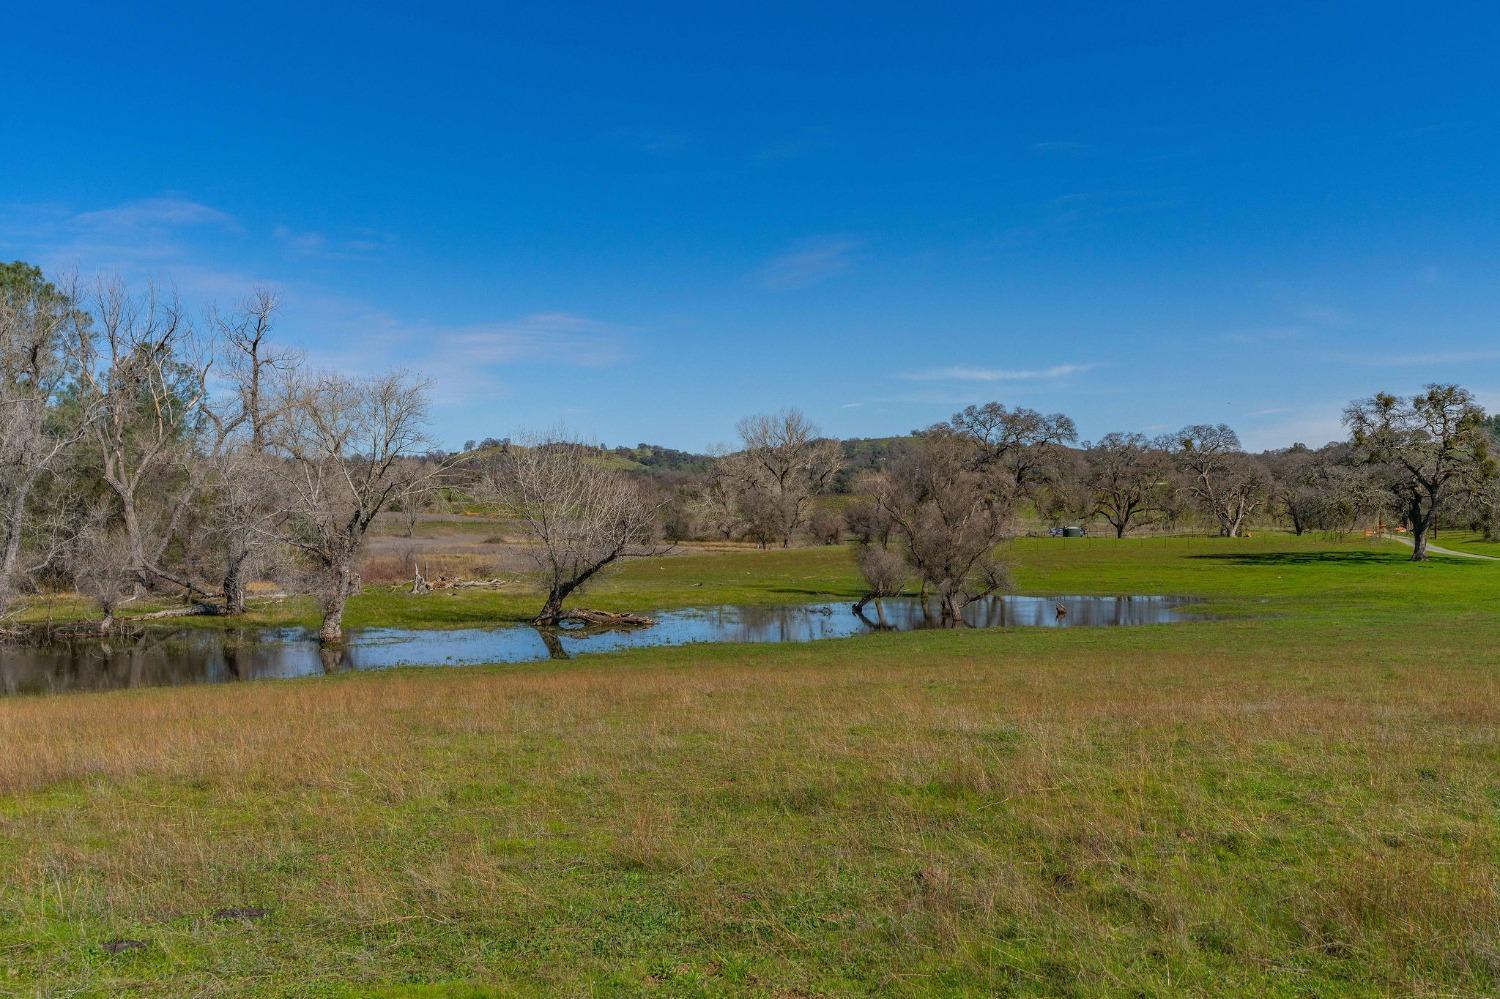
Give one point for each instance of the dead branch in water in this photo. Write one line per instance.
(193, 611)
(599, 619)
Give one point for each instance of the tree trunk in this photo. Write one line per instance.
(332, 630)
(952, 609)
(552, 609)
(137, 544)
(234, 586)
(1419, 531)
(1297, 526)
(12, 555)
(1119, 531)
(8, 584)
(1419, 544)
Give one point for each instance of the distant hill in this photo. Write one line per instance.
(861, 454)
(865, 454)
(656, 458)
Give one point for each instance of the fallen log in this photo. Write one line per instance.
(600, 619)
(192, 611)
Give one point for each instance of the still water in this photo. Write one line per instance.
(191, 655)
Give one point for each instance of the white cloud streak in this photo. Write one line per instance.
(965, 373)
(155, 213)
(809, 263)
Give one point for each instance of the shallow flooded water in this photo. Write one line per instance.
(209, 655)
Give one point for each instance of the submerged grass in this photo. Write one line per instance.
(1301, 797)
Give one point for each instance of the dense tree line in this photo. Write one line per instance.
(144, 450)
(1413, 464)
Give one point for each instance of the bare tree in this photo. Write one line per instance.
(1228, 483)
(1431, 446)
(1486, 508)
(1128, 481)
(98, 558)
(37, 322)
(581, 515)
(1025, 442)
(148, 378)
(241, 516)
(885, 574)
(1295, 475)
(784, 463)
(1322, 490)
(865, 519)
(713, 503)
(415, 495)
(253, 360)
(949, 518)
(1064, 496)
(826, 526)
(234, 451)
(341, 443)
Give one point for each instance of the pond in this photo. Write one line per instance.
(211, 655)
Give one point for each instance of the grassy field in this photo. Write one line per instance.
(1300, 797)
(1468, 541)
(735, 576)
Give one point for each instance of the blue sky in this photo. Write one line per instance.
(645, 222)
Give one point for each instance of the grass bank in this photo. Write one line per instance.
(1301, 797)
(1192, 566)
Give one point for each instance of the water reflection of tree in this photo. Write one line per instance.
(331, 657)
(881, 624)
(553, 641)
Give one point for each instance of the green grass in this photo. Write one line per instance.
(1468, 541)
(732, 577)
(1267, 566)
(1300, 797)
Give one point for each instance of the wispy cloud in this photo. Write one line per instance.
(305, 243)
(1310, 425)
(312, 243)
(544, 336)
(810, 262)
(155, 213)
(1375, 358)
(1264, 334)
(964, 373)
(469, 363)
(1061, 147)
(475, 363)
(136, 239)
(192, 248)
